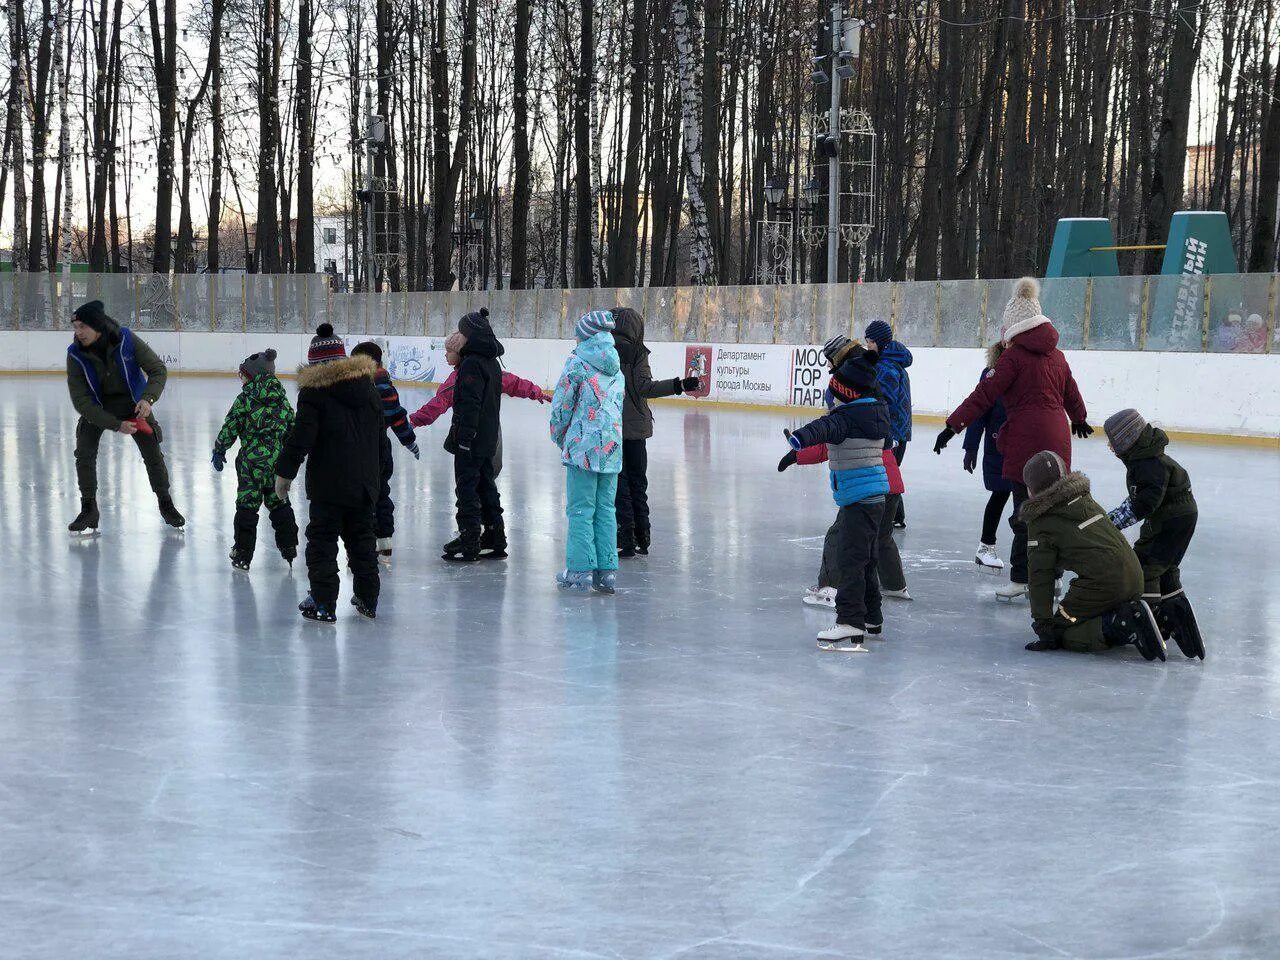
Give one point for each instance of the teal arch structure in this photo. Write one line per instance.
(1071, 254)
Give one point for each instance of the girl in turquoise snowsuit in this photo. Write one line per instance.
(586, 424)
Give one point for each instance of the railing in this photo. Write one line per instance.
(1226, 313)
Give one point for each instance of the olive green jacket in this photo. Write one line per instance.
(114, 387)
(1068, 530)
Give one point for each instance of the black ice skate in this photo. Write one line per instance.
(170, 513)
(311, 611)
(493, 543)
(642, 542)
(364, 609)
(86, 524)
(1132, 623)
(240, 559)
(1178, 623)
(459, 550)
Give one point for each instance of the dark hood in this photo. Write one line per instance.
(896, 352)
(628, 333)
(1040, 339)
(346, 380)
(1150, 443)
(482, 342)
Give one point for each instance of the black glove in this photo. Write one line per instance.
(970, 460)
(943, 439)
(1082, 430)
(1049, 638)
(788, 459)
(687, 385)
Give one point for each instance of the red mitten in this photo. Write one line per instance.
(142, 425)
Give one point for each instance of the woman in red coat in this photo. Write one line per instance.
(1033, 379)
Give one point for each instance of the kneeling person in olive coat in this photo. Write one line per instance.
(1068, 530)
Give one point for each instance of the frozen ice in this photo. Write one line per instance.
(494, 769)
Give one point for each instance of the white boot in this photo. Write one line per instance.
(896, 594)
(821, 597)
(987, 560)
(842, 638)
(1011, 592)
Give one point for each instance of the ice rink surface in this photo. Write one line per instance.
(494, 769)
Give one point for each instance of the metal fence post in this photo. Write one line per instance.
(1271, 310)
(937, 313)
(1144, 316)
(1088, 313)
(1204, 325)
(982, 318)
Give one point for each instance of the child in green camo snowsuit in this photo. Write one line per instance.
(260, 419)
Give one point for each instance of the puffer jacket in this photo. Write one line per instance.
(855, 435)
(1068, 530)
(1159, 486)
(984, 433)
(477, 397)
(338, 431)
(628, 337)
(895, 387)
(260, 417)
(1039, 392)
(118, 370)
(586, 410)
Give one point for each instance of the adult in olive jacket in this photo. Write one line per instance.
(637, 427)
(114, 379)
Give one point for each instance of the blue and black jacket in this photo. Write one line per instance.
(116, 377)
(855, 435)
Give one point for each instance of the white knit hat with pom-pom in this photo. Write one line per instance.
(1022, 312)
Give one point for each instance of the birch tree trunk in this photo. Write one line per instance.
(702, 256)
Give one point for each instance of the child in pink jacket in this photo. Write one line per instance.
(442, 402)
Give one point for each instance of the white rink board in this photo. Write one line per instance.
(1236, 394)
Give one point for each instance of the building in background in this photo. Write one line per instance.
(333, 252)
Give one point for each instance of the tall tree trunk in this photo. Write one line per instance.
(213, 258)
(703, 251)
(449, 163)
(164, 51)
(521, 173)
(266, 256)
(584, 269)
(305, 242)
(1262, 256)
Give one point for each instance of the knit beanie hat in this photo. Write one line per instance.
(857, 375)
(325, 346)
(475, 323)
(1022, 307)
(1123, 429)
(831, 350)
(368, 349)
(1042, 471)
(94, 315)
(256, 364)
(589, 324)
(879, 333)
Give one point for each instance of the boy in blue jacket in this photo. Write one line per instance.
(894, 384)
(854, 432)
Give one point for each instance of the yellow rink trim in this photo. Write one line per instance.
(770, 408)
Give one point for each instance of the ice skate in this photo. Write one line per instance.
(493, 543)
(364, 609)
(86, 524)
(626, 553)
(384, 551)
(170, 513)
(874, 630)
(458, 550)
(240, 560)
(896, 594)
(1178, 623)
(642, 542)
(604, 581)
(842, 638)
(987, 560)
(820, 597)
(312, 611)
(1011, 592)
(1133, 623)
(577, 581)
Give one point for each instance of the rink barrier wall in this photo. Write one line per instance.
(1210, 396)
(1221, 313)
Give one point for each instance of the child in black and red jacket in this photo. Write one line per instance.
(397, 420)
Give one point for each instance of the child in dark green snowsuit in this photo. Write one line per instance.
(260, 418)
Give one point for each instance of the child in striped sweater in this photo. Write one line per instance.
(397, 420)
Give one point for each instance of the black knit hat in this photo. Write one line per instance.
(368, 349)
(94, 315)
(256, 364)
(475, 323)
(856, 376)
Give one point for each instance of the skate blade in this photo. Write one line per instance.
(841, 646)
(455, 558)
(817, 602)
(988, 569)
(80, 536)
(494, 555)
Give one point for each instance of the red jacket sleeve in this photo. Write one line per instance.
(985, 394)
(1072, 400)
(808, 456)
(433, 409)
(520, 388)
